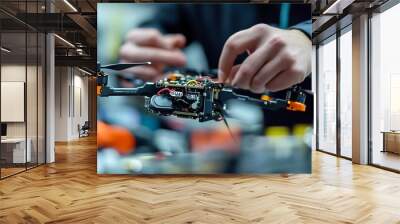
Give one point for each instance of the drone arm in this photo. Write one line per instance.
(147, 89)
(276, 104)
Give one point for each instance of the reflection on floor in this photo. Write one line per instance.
(387, 159)
(14, 169)
(70, 191)
(10, 171)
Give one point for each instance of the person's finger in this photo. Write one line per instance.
(147, 73)
(281, 62)
(234, 46)
(173, 41)
(284, 80)
(234, 69)
(146, 37)
(153, 38)
(254, 62)
(133, 53)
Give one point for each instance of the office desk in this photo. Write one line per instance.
(13, 150)
(391, 141)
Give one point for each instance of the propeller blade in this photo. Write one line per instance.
(309, 92)
(123, 66)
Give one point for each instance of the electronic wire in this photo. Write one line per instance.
(230, 131)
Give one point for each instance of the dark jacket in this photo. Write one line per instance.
(212, 24)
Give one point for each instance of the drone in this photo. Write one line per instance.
(195, 95)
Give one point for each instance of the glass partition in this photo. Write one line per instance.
(385, 89)
(327, 96)
(33, 72)
(32, 98)
(22, 95)
(346, 93)
(14, 153)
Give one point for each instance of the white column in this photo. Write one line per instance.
(50, 98)
(314, 89)
(360, 90)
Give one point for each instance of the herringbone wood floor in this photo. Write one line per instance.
(70, 191)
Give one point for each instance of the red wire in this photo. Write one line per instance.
(162, 90)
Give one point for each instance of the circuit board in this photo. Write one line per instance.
(187, 96)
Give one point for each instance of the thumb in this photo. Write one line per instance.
(173, 41)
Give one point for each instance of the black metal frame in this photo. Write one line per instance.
(316, 96)
(338, 98)
(338, 153)
(317, 93)
(340, 32)
(369, 115)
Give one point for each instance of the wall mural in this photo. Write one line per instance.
(204, 88)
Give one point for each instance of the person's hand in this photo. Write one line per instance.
(146, 44)
(277, 59)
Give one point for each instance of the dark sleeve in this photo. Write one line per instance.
(168, 18)
(305, 27)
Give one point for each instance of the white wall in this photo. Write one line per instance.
(16, 73)
(71, 102)
(12, 73)
(80, 110)
(33, 126)
(61, 103)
